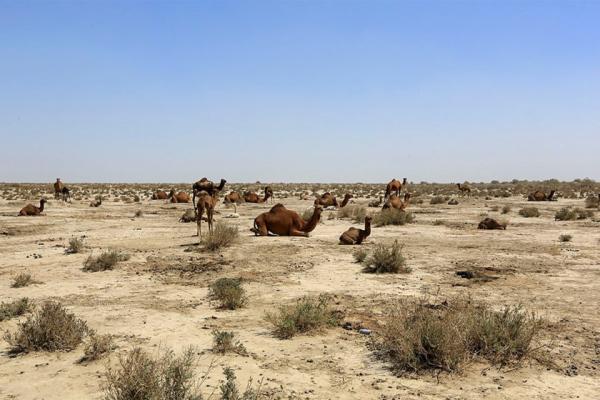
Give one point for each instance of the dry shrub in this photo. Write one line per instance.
(307, 314)
(506, 209)
(105, 261)
(97, 347)
(439, 222)
(225, 342)
(570, 214)
(592, 202)
(529, 212)
(14, 309)
(495, 208)
(565, 238)
(228, 292)
(138, 214)
(353, 211)
(75, 245)
(386, 259)
(417, 336)
(52, 328)
(22, 280)
(143, 377)
(393, 216)
(437, 200)
(230, 391)
(223, 235)
(360, 255)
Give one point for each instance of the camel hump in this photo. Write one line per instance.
(277, 206)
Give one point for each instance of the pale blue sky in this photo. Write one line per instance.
(338, 91)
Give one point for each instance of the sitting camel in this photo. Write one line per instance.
(58, 187)
(394, 201)
(160, 195)
(394, 186)
(206, 202)
(31, 210)
(328, 200)
(283, 222)
(233, 197)
(538, 195)
(490, 223)
(181, 197)
(252, 197)
(464, 189)
(357, 236)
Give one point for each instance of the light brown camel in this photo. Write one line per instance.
(160, 195)
(31, 210)
(58, 187)
(538, 195)
(394, 201)
(394, 186)
(357, 236)
(181, 197)
(233, 197)
(464, 189)
(328, 200)
(205, 202)
(252, 197)
(207, 186)
(283, 222)
(490, 223)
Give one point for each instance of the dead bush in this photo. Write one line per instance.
(529, 212)
(393, 216)
(75, 245)
(592, 202)
(14, 309)
(225, 342)
(51, 328)
(360, 255)
(386, 259)
(23, 279)
(228, 292)
(97, 347)
(570, 214)
(105, 261)
(437, 200)
(506, 209)
(565, 238)
(307, 314)
(223, 235)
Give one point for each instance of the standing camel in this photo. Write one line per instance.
(31, 210)
(283, 222)
(357, 236)
(207, 186)
(66, 194)
(464, 189)
(395, 186)
(205, 202)
(58, 187)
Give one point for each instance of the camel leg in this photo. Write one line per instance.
(261, 230)
(296, 232)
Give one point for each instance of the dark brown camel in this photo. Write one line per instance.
(538, 195)
(394, 201)
(31, 210)
(395, 186)
(160, 195)
(490, 223)
(205, 202)
(283, 222)
(464, 189)
(66, 194)
(328, 200)
(357, 236)
(252, 197)
(207, 186)
(58, 187)
(181, 197)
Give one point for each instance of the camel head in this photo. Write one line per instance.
(403, 181)
(368, 219)
(172, 193)
(42, 201)
(222, 184)
(348, 196)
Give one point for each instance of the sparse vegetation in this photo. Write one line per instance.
(386, 259)
(392, 216)
(570, 214)
(437, 200)
(225, 342)
(439, 222)
(138, 214)
(565, 237)
(97, 347)
(529, 212)
(14, 309)
(105, 261)
(360, 255)
(495, 208)
(228, 292)
(23, 279)
(353, 211)
(416, 336)
(75, 245)
(307, 314)
(592, 202)
(51, 328)
(223, 235)
(506, 209)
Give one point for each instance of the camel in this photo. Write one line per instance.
(58, 187)
(394, 186)
(328, 200)
(31, 210)
(394, 201)
(180, 197)
(538, 195)
(252, 197)
(269, 190)
(283, 222)
(490, 223)
(66, 194)
(464, 189)
(233, 197)
(207, 186)
(160, 195)
(355, 235)
(205, 202)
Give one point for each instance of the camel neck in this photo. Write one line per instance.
(367, 227)
(41, 206)
(312, 223)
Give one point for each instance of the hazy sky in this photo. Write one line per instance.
(339, 91)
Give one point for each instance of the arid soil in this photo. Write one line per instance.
(158, 298)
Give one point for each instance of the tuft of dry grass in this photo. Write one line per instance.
(393, 216)
(97, 347)
(417, 336)
(223, 235)
(51, 328)
(360, 255)
(138, 214)
(529, 212)
(386, 259)
(437, 200)
(14, 309)
(228, 292)
(105, 261)
(353, 211)
(506, 209)
(76, 245)
(225, 342)
(570, 214)
(307, 314)
(592, 202)
(23, 279)
(565, 237)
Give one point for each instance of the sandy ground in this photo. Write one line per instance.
(159, 297)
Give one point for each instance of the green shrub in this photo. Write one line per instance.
(386, 259)
(393, 216)
(105, 261)
(529, 212)
(14, 309)
(308, 314)
(223, 235)
(228, 292)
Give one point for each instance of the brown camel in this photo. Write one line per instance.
(252, 197)
(66, 194)
(357, 236)
(394, 186)
(207, 186)
(464, 189)
(160, 195)
(328, 200)
(490, 223)
(269, 190)
(205, 202)
(31, 210)
(538, 195)
(181, 197)
(58, 187)
(283, 222)
(394, 201)
(233, 197)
